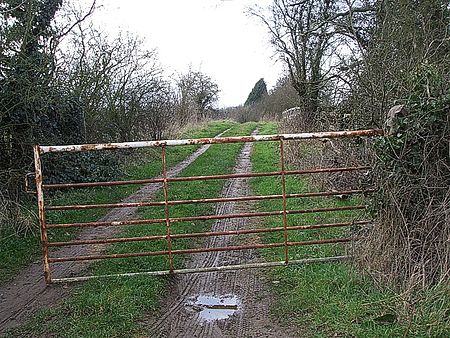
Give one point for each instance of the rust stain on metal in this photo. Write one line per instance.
(206, 217)
(100, 184)
(166, 207)
(283, 193)
(27, 183)
(41, 212)
(218, 140)
(167, 220)
(220, 268)
(208, 234)
(211, 200)
(104, 206)
(203, 178)
(199, 250)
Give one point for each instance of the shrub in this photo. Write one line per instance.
(409, 244)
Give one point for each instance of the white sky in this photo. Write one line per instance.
(214, 36)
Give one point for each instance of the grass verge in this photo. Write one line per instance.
(18, 251)
(114, 307)
(336, 299)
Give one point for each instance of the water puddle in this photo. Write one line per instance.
(212, 308)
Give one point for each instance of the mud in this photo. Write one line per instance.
(220, 304)
(27, 292)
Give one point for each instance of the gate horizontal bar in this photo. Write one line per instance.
(206, 269)
(198, 250)
(209, 200)
(218, 140)
(100, 184)
(201, 178)
(205, 217)
(204, 234)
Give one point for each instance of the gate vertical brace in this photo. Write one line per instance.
(166, 207)
(283, 191)
(41, 211)
(352, 229)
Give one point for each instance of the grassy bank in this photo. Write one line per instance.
(114, 307)
(18, 251)
(335, 299)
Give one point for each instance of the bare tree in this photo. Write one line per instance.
(197, 95)
(309, 36)
(114, 79)
(159, 111)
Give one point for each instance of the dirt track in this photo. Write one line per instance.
(27, 292)
(241, 298)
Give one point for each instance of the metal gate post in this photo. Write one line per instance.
(41, 210)
(283, 192)
(166, 206)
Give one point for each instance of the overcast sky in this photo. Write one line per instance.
(214, 36)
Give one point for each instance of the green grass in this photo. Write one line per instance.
(114, 307)
(18, 251)
(335, 299)
(321, 300)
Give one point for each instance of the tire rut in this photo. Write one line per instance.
(27, 293)
(179, 319)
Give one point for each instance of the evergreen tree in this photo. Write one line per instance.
(258, 92)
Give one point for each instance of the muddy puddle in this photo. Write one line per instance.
(211, 308)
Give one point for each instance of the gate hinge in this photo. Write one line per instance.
(27, 184)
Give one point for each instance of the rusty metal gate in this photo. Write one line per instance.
(49, 258)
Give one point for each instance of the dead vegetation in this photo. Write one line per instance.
(327, 153)
(15, 218)
(411, 244)
(401, 58)
(408, 244)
